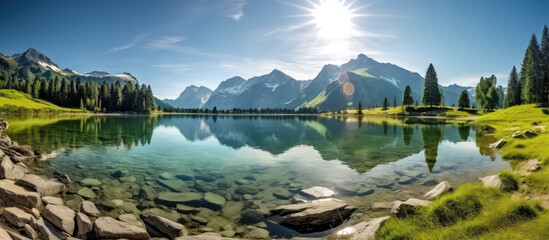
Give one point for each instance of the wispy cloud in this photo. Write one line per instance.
(177, 68)
(135, 41)
(165, 42)
(236, 9)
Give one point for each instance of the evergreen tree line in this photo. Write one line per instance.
(532, 84)
(303, 110)
(488, 95)
(87, 95)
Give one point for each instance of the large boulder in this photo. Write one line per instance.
(16, 196)
(89, 208)
(362, 231)
(165, 226)
(61, 216)
(40, 185)
(4, 234)
(17, 216)
(214, 199)
(132, 219)
(408, 207)
(6, 166)
(20, 153)
(491, 181)
(84, 224)
(109, 228)
(318, 192)
(312, 216)
(48, 231)
(441, 188)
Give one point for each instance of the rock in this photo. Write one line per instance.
(407, 207)
(530, 166)
(3, 125)
(6, 166)
(314, 216)
(17, 236)
(64, 178)
(132, 219)
(173, 198)
(247, 189)
(214, 199)
(295, 187)
(60, 216)
(84, 224)
(251, 216)
(232, 209)
(175, 185)
(385, 184)
(498, 144)
(242, 182)
(186, 209)
(282, 193)
(318, 192)
(109, 228)
(362, 231)
(200, 219)
(86, 193)
(201, 186)
(205, 178)
(534, 123)
(517, 134)
(128, 179)
(47, 230)
(21, 153)
(4, 234)
(162, 213)
(248, 197)
(365, 191)
(491, 181)
(228, 233)
(120, 173)
(147, 192)
(30, 232)
(16, 216)
(19, 170)
(52, 200)
(42, 186)
(381, 205)
(166, 176)
(405, 180)
(530, 133)
(16, 196)
(258, 233)
(184, 177)
(91, 182)
(205, 236)
(170, 228)
(429, 183)
(441, 188)
(89, 208)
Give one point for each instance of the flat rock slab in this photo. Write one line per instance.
(84, 224)
(86, 193)
(441, 188)
(89, 208)
(407, 207)
(362, 231)
(52, 200)
(318, 192)
(175, 185)
(40, 185)
(48, 231)
(175, 197)
(313, 216)
(16, 196)
(132, 219)
(214, 199)
(530, 166)
(498, 144)
(165, 226)
(491, 181)
(60, 216)
(17, 216)
(110, 228)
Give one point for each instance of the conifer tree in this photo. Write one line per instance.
(407, 98)
(359, 110)
(544, 62)
(431, 94)
(385, 103)
(530, 78)
(463, 100)
(512, 97)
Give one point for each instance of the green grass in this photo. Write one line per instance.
(13, 101)
(448, 112)
(477, 212)
(363, 72)
(317, 100)
(471, 212)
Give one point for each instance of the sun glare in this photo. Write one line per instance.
(333, 19)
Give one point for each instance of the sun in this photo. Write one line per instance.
(333, 19)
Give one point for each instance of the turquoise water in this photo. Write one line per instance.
(396, 158)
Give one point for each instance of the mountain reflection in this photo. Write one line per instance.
(360, 143)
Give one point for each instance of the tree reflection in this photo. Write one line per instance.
(432, 135)
(464, 131)
(407, 133)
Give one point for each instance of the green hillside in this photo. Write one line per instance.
(14, 101)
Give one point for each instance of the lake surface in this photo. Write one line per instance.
(365, 161)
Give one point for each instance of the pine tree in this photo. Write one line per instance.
(385, 104)
(482, 89)
(463, 100)
(407, 98)
(492, 99)
(431, 93)
(394, 102)
(359, 108)
(512, 97)
(544, 62)
(530, 73)
(36, 87)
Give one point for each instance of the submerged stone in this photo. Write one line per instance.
(86, 193)
(174, 198)
(318, 192)
(214, 199)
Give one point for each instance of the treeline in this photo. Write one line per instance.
(303, 110)
(532, 84)
(87, 95)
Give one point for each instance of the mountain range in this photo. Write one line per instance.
(32, 63)
(335, 87)
(191, 97)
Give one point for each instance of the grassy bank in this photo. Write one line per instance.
(445, 112)
(518, 210)
(13, 101)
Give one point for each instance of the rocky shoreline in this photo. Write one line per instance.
(34, 207)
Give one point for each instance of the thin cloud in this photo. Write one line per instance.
(166, 42)
(236, 11)
(132, 44)
(178, 68)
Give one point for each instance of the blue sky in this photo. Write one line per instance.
(172, 44)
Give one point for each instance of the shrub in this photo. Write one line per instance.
(509, 181)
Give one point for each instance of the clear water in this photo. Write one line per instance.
(347, 155)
